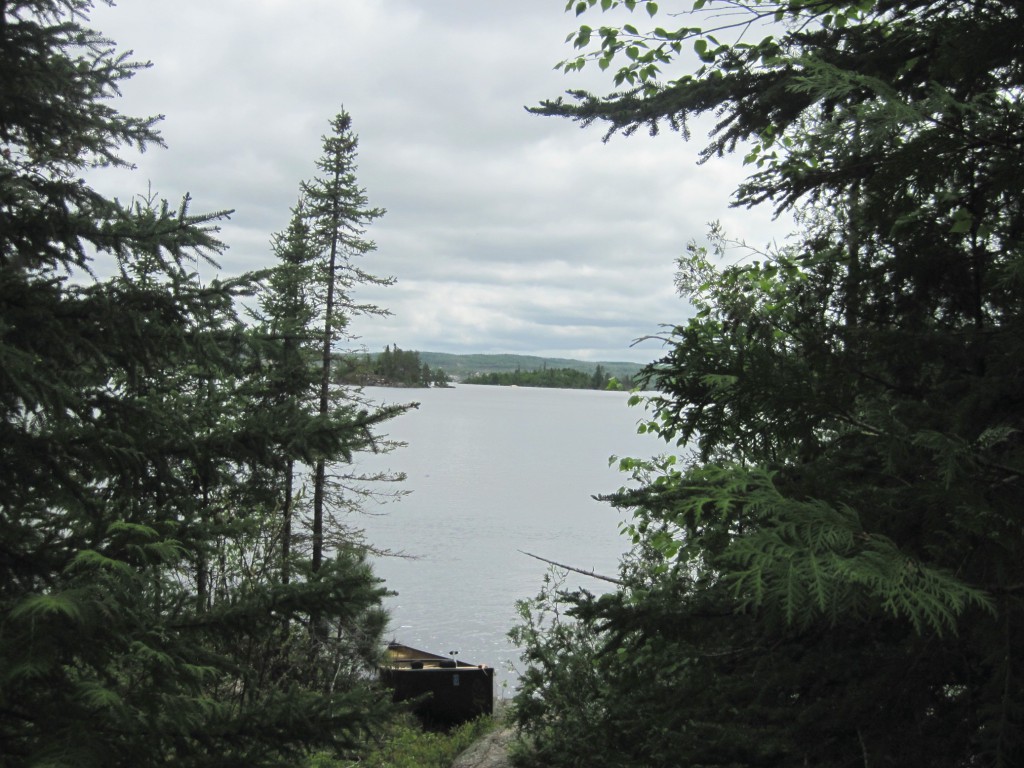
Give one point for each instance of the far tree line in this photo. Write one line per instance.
(393, 367)
(558, 378)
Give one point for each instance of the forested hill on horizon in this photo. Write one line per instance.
(460, 366)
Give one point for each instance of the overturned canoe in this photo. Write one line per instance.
(451, 691)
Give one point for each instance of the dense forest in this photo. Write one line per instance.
(181, 581)
(833, 576)
(559, 378)
(461, 366)
(393, 367)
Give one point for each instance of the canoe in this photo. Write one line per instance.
(445, 691)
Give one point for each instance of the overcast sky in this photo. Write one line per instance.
(507, 232)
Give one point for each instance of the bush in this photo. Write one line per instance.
(405, 744)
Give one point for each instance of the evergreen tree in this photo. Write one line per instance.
(291, 357)
(338, 214)
(439, 377)
(286, 313)
(834, 578)
(141, 607)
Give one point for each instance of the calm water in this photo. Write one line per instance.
(492, 471)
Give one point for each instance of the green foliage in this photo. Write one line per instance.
(559, 378)
(145, 617)
(833, 576)
(405, 744)
(561, 688)
(336, 212)
(460, 366)
(393, 367)
(401, 366)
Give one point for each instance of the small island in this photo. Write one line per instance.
(393, 367)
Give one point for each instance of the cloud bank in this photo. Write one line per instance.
(507, 232)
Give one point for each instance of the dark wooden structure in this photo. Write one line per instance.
(448, 691)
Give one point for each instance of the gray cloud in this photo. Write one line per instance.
(506, 231)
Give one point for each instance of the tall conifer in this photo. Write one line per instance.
(338, 213)
(287, 310)
(140, 623)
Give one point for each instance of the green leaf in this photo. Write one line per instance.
(40, 606)
(136, 529)
(652, 9)
(96, 696)
(90, 558)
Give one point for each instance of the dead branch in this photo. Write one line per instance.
(574, 570)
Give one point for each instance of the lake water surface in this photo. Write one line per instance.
(492, 471)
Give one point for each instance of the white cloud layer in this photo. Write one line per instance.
(507, 232)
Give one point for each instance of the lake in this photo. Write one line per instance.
(493, 471)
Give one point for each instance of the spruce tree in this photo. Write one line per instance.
(286, 314)
(290, 315)
(338, 214)
(141, 605)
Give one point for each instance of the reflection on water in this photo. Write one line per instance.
(492, 471)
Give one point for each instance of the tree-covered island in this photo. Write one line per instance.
(393, 367)
(558, 378)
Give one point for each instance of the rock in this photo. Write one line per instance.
(489, 752)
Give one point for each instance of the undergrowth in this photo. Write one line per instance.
(404, 743)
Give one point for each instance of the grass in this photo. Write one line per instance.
(405, 744)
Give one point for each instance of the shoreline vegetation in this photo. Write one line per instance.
(557, 378)
(395, 367)
(405, 743)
